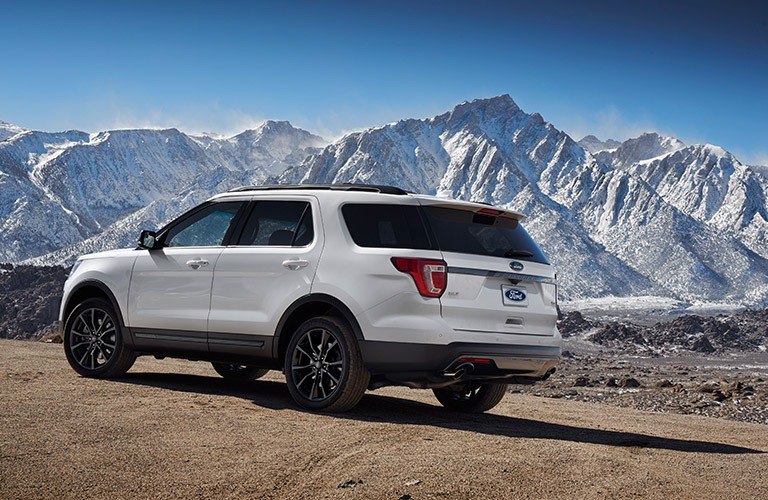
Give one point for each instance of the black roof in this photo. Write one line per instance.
(372, 188)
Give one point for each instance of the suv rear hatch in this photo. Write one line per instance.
(498, 279)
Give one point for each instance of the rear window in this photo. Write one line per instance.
(386, 226)
(463, 231)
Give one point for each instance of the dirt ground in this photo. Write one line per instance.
(174, 429)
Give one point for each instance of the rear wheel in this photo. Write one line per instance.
(471, 397)
(233, 371)
(323, 366)
(93, 341)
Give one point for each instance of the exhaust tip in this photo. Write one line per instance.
(462, 370)
(549, 373)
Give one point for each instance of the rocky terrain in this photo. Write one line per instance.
(29, 300)
(733, 387)
(744, 331)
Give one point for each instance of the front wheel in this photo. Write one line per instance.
(231, 371)
(471, 397)
(323, 366)
(93, 341)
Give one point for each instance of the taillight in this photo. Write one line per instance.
(430, 275)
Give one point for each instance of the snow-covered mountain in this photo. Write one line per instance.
(647, 146)
(610, 223)
(595, 145)
(9, 130)
(58, 189)
(649, 216)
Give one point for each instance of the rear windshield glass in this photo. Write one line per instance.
(463, 231)
(386, 226)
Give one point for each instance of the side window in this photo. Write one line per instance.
(386, 226)
(206, 228)
(279, 223)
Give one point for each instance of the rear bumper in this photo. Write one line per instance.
(432, 365)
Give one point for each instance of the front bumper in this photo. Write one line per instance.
(432, 365)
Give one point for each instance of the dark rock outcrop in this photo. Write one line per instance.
(29, 300)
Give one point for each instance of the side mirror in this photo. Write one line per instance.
(148, 240)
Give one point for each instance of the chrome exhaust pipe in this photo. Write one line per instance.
(461, 370)
(549, 373)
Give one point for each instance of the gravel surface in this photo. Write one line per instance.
(173, 429)
(733, 387)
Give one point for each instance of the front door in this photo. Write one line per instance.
(170, 289)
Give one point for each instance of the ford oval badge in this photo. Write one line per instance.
(516, 266)
(515, 295)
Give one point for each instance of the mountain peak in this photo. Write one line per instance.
(648, 145)
(500, 102)
(8, 130)
(279, 129)
(595, 145)
(281, 125)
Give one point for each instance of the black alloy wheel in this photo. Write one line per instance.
(323, 366)
(93, 341)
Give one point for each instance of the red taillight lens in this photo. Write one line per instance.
(490, 211)
(430, 275)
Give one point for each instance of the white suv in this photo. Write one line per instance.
(342, 287)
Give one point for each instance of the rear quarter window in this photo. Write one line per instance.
(386, 226)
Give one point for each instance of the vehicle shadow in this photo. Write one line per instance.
(379, 408)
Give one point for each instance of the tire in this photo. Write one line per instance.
(471, 397)
(232, 371)
(93, 341)
(323, 366)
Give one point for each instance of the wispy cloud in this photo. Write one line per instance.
(758, 159)
(196, 119)
(609, 123)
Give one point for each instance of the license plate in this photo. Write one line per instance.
(514, 295)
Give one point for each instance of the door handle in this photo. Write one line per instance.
(196, 264)
(295, 264)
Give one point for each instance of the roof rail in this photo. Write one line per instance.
(372, 188)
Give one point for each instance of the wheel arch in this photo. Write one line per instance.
(90, 289)
(307, 307)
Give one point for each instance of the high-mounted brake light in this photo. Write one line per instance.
(490, 211)
(430, 275)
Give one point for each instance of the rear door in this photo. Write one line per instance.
(272, 264)
(498, 279)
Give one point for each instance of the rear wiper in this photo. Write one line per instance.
(517, 252)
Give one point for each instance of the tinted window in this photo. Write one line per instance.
(279, 223)
(467, 232)
(386, 226)
(205, 228)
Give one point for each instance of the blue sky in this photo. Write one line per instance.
(693, 69)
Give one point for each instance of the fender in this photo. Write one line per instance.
(321, 298)
(127, 337)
